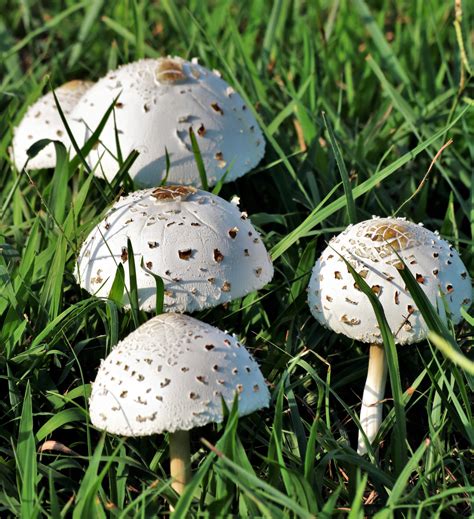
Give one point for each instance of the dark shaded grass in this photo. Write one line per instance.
(394, 87)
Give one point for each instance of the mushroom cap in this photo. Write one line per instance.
(42, 121)
(170, 374)
(202, 247)
(337, 303)
(158, 101)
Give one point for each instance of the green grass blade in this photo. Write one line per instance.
(320, 215)
(26, 459)
(351, 209)
(387, 55)
(400, 430)
(198, 159)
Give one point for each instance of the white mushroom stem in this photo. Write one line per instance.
(180, 460)
(371, 410)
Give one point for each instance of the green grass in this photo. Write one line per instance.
(373, 90)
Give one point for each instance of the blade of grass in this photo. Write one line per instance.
(26, 459)
(198, 159)
(320, 214)
(400, 430)
(351, 208)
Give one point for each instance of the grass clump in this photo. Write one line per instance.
(355, 100)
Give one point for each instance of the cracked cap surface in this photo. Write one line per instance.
(42, 121)
(158, 101)
(337, 302)
(204, 249)
(170, 374)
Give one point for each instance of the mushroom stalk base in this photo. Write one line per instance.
(180, 460)
(371, 410)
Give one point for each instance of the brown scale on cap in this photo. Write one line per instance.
(351, 322)
(233, 232)
(376, 289)
(201, 131)
(217, 108)
(218, 256)
(170, 71)
(185, 254)
(173, 192)
(397, 297)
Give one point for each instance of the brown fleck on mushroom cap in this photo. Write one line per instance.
(159, 101)
(337, 302)
(170, 374)
(204, 249)
(42, 121)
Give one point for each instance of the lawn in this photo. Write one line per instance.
(366, 108)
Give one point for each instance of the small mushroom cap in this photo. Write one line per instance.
(170, 374)
(337, 302)
(42, 121)
(158, 101)
(202, 247)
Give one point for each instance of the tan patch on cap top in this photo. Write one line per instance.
(395, 234)
(175, 192)
(75, 84)
(170, 71)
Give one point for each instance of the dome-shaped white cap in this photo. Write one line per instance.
(158, 101)
(337, 302)
(42, 121)
(204, 249)
(171, 374)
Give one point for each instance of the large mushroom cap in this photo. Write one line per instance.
(337, 302)
(170, 374)
(42, 121)
(158, 101)
(202, 247)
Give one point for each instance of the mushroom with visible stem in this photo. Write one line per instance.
(43, 121)
(172, 374)
(374, 249)
(204, 249)
(159, 100)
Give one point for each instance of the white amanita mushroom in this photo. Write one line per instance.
(204, 249)
(371, 247)
(171, 374)
(158, 101)
(42, 121)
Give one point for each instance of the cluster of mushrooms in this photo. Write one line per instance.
(173, 372)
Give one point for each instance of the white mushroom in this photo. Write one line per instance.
(171, 374)
(159, 100)
(204, 249)
(42, 121)
(371, 247)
